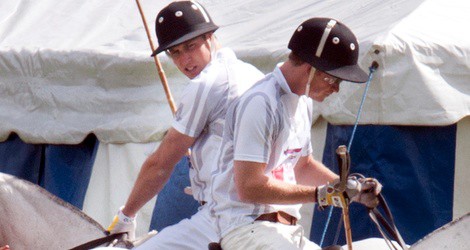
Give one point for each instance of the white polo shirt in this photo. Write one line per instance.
(268, 124)
(201, 112)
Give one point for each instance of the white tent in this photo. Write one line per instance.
(71, 68)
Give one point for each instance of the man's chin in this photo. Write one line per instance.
(192, 75)
(318, 98)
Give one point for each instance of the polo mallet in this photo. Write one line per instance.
(161, 73)
(344, 162)
(344, 166)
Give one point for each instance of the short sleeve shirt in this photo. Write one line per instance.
(201, 112)
(268, 124)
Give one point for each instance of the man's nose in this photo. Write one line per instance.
(186, 57)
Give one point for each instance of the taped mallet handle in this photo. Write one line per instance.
(344, 162)
(161, 73)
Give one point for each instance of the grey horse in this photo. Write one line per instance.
(33, 218)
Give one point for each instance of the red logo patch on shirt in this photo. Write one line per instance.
(278, 173)
(292, 152)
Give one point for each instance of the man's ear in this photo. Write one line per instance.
(306, 67)
(208, 36)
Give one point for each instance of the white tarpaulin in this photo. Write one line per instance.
(424, 72)
(70, 68)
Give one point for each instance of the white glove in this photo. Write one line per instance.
(362, 190)
(123, 223)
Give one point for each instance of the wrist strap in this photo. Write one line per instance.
(322, 196)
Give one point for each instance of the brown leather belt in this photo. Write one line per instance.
(280, 217)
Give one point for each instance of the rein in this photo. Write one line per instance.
(100, 241)
(382, 223)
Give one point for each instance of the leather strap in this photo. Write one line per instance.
(386, 223)
(281, 217)
(98, 242)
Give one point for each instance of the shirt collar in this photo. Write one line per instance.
(225, 53)
(281, 79)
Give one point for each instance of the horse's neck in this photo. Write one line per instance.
(31, 217)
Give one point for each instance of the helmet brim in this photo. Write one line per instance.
(186, 37)
(352, 73)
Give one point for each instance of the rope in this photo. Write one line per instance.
(372, 69)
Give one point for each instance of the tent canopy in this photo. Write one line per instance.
(68, 68)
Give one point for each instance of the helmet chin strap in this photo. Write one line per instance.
(309, 81)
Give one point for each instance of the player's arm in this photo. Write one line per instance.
(311, 172)
(157, 169)
(253, 135)
(253, 186)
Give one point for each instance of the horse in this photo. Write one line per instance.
(31, 217)
(453, 235)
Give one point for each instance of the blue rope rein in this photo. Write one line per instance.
(372, 69)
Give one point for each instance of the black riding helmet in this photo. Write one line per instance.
(330, 46)
(179, 22)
